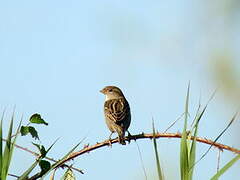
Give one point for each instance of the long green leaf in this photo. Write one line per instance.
(225, 168)
(69, 152)
(184, 164)
(7, 151)
(14, 141)
(160, 174)
(196, 121)
(192, 156)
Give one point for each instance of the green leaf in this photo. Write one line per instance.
(41, 149)
(33, 132)
(43, 152)
(45, 166)
(225, 168)
(184, 163)
(68, 175)
(29, 129)
(38, 146)
(37, 119)
(159, 170)
(24, 130)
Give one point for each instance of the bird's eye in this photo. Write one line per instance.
(110, 90)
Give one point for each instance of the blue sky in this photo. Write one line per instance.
(56, 56)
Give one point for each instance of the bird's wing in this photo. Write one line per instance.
(117, 110)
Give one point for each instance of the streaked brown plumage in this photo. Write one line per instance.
(116, 111)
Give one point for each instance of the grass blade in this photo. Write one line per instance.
(192, 156)
(229, 124)
(160, 174)
(195, 124)
(7, 151)
(184, 164)
(141, 160)
(225, 168)
(59, 162)
(172, 124)
(14, 140)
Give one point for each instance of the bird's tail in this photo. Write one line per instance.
(121, 137)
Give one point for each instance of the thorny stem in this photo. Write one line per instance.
(87, 148)
(48, 158)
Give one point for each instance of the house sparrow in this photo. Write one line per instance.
(116, 111)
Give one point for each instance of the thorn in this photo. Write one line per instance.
(86, 145)
(130, 137)
(221, 149)
(129, 134)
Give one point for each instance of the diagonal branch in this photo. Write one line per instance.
(88, 148)
(48, 158)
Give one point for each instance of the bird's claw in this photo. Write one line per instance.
(110, 143)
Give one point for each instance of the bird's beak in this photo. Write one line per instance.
(102, 91)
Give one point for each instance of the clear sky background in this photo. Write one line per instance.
(55, 56)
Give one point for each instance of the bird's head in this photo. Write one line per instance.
(112, 92)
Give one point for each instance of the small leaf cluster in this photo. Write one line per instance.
(34, 119)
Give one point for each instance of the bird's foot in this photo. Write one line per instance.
(110, 142)
(121, 141)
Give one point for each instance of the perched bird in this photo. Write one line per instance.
(117, 112)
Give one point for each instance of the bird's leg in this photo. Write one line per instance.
(109, 140)
(110, 135)
(121, 140)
